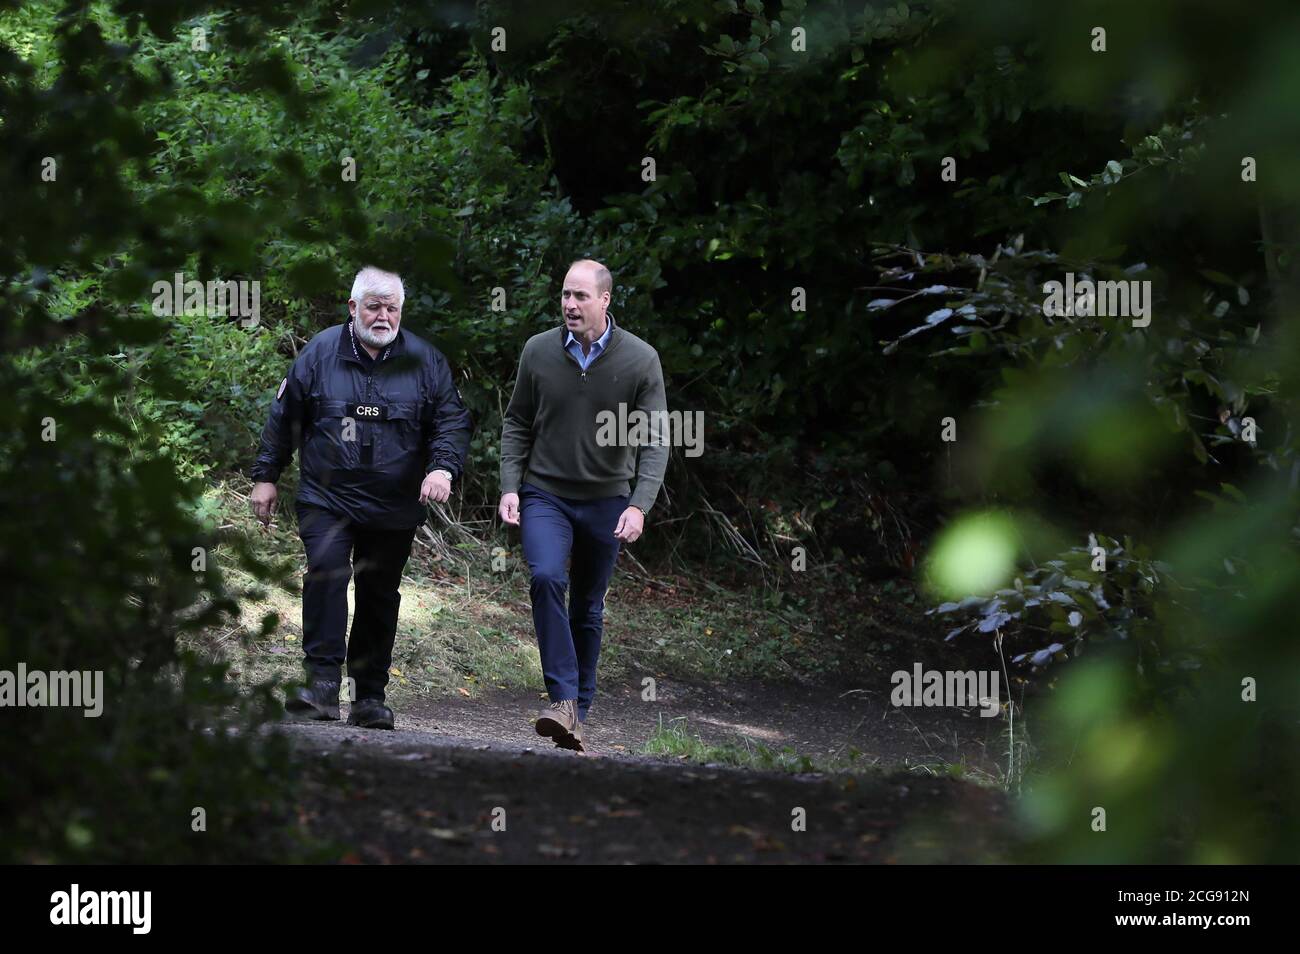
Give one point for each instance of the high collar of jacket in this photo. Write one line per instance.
(615, 332)
(345, 345)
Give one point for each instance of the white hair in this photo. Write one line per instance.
(376, 281)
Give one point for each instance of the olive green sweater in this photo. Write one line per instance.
(549, 435)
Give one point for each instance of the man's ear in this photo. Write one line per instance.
(352, 307)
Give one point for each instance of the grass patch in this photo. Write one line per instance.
(673, 739)
(1014, 766)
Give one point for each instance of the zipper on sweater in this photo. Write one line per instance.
(582, 372)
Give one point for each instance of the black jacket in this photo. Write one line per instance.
(368, 435)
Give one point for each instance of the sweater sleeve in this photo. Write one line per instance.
(517, 428)
(652, 459)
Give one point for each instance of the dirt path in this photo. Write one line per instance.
(431, 790)
(822, 723)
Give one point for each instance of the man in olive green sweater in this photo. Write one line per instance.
(565, 479)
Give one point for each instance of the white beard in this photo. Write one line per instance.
(376, 339)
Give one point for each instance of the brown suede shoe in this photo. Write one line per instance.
(559, 723)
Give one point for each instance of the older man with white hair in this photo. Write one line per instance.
(383, 431)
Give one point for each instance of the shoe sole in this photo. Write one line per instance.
(557, 733)
(370, 724)
(306, 711)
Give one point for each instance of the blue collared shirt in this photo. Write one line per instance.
(574, 347)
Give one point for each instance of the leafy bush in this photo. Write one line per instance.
(1102, 593)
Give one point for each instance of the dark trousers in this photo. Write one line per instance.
(556, 531)
(335, 546)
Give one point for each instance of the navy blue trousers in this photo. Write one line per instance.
(557, 531)
(334, 544)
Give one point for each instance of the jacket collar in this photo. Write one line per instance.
(345, 345)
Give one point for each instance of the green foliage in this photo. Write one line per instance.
(102, 547)
(99, 547)
(1067, 604)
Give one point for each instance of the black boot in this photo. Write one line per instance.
(319, 699)
(370, 714)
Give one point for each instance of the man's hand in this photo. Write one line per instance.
(263, 500)
(508, 509)
(436, 487)
(630, 525)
